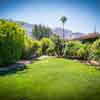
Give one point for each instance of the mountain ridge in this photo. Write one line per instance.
(58, 31)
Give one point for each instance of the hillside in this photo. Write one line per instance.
(68, 33)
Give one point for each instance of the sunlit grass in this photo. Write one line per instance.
(52, 79)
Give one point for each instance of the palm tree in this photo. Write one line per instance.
(63, 19)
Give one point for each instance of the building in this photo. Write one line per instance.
(91, 37)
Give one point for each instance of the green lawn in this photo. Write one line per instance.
(52, 79)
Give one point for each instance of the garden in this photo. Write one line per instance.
(56, 71)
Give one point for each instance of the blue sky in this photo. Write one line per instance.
(83, 15)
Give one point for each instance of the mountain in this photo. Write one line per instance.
(28, 27)
(68, 33)
(77, 35)
(59, 31)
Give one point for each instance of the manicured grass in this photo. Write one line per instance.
(52, 79)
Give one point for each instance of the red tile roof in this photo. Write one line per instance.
(90, 36)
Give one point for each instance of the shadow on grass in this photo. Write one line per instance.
(12, 69)
(19, 66)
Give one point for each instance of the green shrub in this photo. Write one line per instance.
(31, 48)
(11, 42)
(59, 45)
(27, 48)
(36, 48)
(51, 51)
(77, 49)
(83, 51)
(71, 48)
(95, 51)
(39, 52)
(46, 45)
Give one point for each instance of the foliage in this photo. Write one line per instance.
(51, 50)
(40, 31)
(95, 51)
(36, 48)
(83, 51)
(14, 43)
(71, 48)
(11, 42)
(27, 48)
(47, 45)
(63, 19)
(77, 49)
(59, 45)
(31, 47)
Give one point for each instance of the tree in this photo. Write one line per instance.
(63, 19)
(47, 45)
(27, 48)
(11, 42)
(40, 31)
(59, 44)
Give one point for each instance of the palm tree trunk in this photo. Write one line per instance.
(63, 31)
